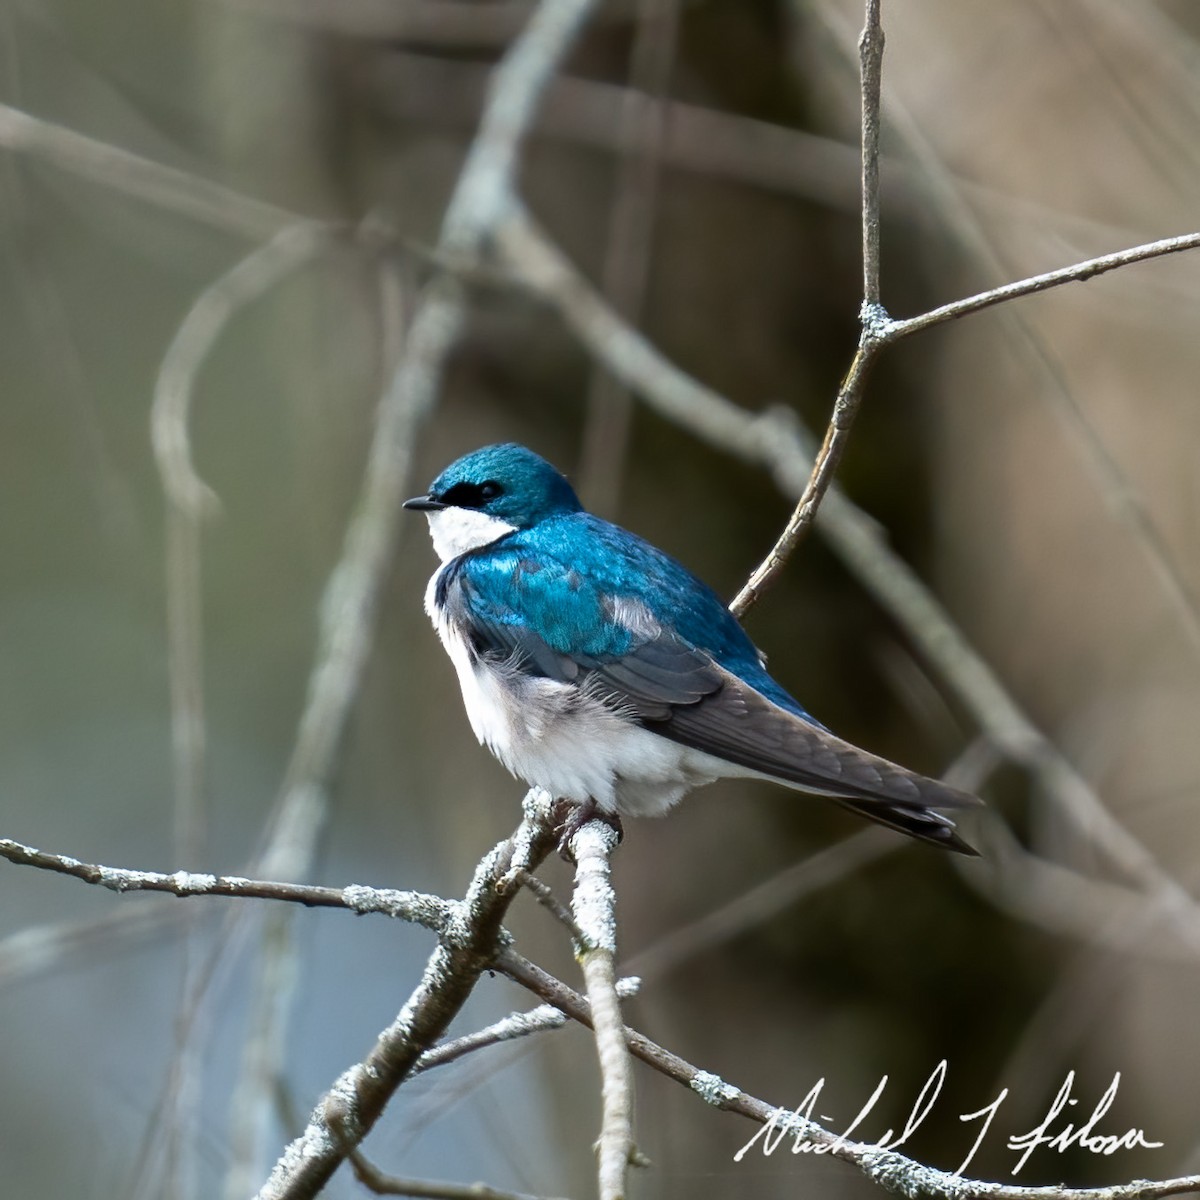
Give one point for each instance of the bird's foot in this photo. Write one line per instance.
(570, 818)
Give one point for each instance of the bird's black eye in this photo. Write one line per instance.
(471, 495)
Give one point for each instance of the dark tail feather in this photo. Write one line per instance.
(921, 823)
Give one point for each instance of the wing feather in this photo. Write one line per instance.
(553, 623)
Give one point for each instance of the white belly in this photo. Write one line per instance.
(554, 736)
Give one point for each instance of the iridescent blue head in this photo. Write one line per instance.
(491, 492)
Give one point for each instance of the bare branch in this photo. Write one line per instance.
(479, 196)
(870, 56)
(193, 342)
(862, 546)
(165, 187)
(1077, 273)
(890, 1170)
(352, 592)
(879, 330)
(543, 894)
(188, 499)
(825, 464)
(516, 1025)
(468, 943)
(346, 629)
(485, 186)
(871, 314)
(594, 904)
(542, 267)
(418, 907)
(627, 257)
(382, 1184)
(947, 195)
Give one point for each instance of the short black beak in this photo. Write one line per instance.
(424, 504)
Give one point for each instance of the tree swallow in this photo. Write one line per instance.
(595, 666)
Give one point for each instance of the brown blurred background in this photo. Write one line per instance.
(997, 453)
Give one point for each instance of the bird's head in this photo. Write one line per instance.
(489, 493)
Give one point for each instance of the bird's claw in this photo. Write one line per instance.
(570, 818)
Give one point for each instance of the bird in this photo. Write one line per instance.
(597, 667)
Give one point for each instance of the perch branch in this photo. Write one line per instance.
(418, 907)
(594, 905)
(467, 945)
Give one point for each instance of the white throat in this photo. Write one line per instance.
(456, 530)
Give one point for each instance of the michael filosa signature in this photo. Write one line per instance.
(1049, 1131)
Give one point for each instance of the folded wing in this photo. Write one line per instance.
(548, 621)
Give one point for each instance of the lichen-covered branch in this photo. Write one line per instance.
(594, 905)
(468, 943)
(418, 907)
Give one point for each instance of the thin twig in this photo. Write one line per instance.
(382, 1184)
(594, 904)
(543, 894)
(1076, 273)
(516, 1025)
(870, 57)
(825, 464)
(626, 274)
(871, 316)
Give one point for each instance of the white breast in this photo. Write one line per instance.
(556, 736)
